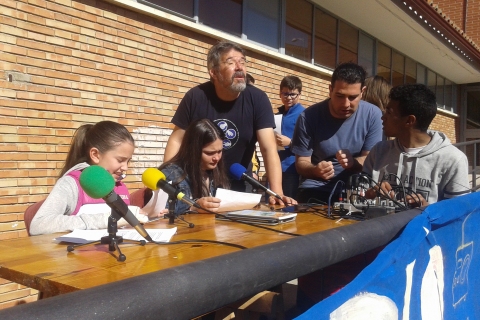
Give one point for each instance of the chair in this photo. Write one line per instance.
(140, 197)
(30, 213)
(278, 303)
(27, 218)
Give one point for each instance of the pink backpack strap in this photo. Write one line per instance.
(122, 190)
(83, 198)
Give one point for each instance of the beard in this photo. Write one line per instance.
(236, 86)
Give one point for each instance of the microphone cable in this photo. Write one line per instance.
(313, 204)
(200, 241)
(381, 193)
(332, 192)
(222, 242)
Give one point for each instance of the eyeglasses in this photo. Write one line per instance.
(232, 62)
(291, 95)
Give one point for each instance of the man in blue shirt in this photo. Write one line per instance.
(332, 138)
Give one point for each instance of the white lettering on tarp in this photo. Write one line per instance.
(366, 306)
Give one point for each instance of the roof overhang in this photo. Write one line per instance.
(397, 23)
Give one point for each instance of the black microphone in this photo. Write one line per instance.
(98, 183)
(238, 172)
(154, 179)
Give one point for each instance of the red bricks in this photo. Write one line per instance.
(87, 61)
(466, 18)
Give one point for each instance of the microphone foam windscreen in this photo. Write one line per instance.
(96, 182)
(151, 176)
(236, 170)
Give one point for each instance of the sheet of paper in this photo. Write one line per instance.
(233, 200)
(278, 127)
(278, 123)
(94, 208)
(157, 203)
(85, 236)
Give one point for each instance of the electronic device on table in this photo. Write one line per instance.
(258, 216)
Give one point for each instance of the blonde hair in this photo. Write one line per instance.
(376, 91)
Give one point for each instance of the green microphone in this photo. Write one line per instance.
(96, 182)
(99, 183)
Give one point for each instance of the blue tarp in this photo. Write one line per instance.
(432, 271)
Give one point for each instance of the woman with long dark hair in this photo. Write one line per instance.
(197, 169)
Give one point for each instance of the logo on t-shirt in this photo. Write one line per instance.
(230, 130)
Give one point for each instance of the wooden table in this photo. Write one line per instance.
(39, 263)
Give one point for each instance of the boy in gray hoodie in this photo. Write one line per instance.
(423, 160)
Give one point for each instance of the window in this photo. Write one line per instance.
(366, 49)
(398, 65)
(325, 39)
(410, 71)
(431, 80)
(262, 22)
(184, 7)
(309, 33)
(473, 109)
(384, 61)
(348, 43)
(421, 74)
(225, 15)
(448, 94)
(440, 91)
(298, 31)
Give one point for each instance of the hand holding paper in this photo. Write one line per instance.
(210, 203)
(156, 205)
(233, 200)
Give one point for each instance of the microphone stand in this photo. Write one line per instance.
(171, 212)
(112, 239)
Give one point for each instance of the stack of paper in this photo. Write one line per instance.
(85, 236)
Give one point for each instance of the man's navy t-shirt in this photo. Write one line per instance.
(239, 119)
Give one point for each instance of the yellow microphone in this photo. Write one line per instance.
(155, 179)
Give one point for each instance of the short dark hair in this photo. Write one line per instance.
(350, 73)
(292, 83)
(215, 52)
(418, 100)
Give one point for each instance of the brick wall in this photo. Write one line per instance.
(467, 19)
(454, 9)
(64, 63)
(447, 123)
(473, 20)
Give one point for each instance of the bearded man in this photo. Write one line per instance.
(241, 110)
